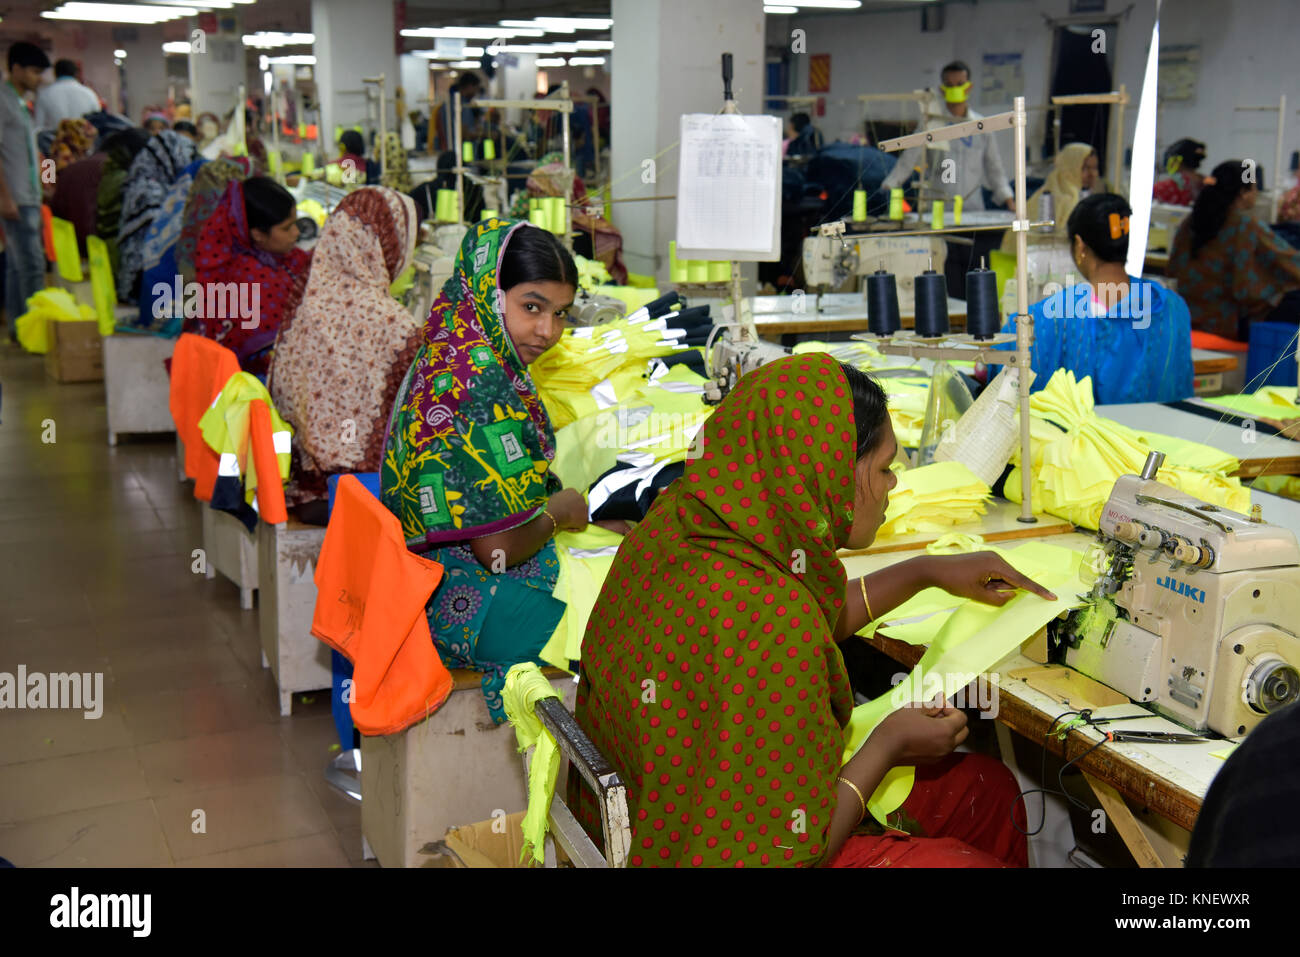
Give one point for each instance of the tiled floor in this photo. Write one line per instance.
(95, 576)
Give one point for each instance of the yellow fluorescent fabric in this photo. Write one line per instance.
(525, 686)
(1269, 402)
(577, 585)
(226, 425)
(46, 306)
(970, 642)
(1074, 470)
(634, 297)
(932, 498)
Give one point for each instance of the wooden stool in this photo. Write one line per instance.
(136, 385)
(231, 549)
(455, 767)
(286, 583)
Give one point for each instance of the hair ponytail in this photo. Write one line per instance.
(1210, 211)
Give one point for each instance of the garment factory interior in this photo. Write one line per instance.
(649, 433)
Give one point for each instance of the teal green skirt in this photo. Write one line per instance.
(488, 622)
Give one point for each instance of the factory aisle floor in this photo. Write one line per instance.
(190, 762)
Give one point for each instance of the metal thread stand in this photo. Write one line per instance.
(563, 105)
(380, 81)
(1277, 147)
(1119, 100)
(1015, 119)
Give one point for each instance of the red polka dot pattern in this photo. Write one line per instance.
(711, 678)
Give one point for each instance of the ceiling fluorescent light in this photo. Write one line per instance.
(825, 4)
(177, 47)
(534, 25)
(473, 33)
(466, 65)
(586, 61)
(543, 62)
(579, 23)
(783, 11)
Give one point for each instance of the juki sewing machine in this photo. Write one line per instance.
(830, 257)
(1194, 611)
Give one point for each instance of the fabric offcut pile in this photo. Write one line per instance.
(1078, 455)
(932, 499)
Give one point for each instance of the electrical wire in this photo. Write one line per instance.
(1043, 789)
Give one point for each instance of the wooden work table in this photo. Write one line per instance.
(1169, 780)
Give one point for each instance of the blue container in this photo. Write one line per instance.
(1271, 344)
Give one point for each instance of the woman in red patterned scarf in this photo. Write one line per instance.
(251, 272)
(711, 677)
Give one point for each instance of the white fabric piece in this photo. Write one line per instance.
(228, 466)
(604, 394)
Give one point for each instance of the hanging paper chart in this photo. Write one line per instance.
(729, 188)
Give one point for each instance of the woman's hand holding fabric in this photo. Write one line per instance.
(982, 576)
(920, 735)
(569, 510)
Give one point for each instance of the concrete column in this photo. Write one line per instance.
(217, 70)
(353, 40)
(144, 72)
(667, 60)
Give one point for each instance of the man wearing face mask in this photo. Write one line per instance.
(976, 162)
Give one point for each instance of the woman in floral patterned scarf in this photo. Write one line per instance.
(468, 453)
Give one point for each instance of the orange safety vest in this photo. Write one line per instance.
(200, 370)
(370, 597)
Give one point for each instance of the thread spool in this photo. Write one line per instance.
(308, 164)
(446, 208)
(676, 267)
(896, 204)
(556, 214)
(936, 214)
(489, 214)
(538, 218)
(983, 313)
(719, 270)
(931, 305)
(467, 152)
(697, 270)
(957, 202)
(489, 149)
(859, 205)
(882, 304)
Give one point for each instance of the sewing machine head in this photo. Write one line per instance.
(730, 355)
(1194, 610)
(830, 258)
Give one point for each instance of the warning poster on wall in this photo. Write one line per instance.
(819, 73)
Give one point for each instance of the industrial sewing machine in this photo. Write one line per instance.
(830, 258)
(1195, 609)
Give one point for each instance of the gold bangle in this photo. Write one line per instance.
(862, 584)
(861, 800)
(555, 526)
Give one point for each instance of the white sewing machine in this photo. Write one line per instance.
(1206, 608)
(830, 259)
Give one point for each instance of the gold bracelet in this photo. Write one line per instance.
(861, 800)
(862, 584)
(555, 526)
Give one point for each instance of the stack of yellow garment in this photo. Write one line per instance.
(595, 367)
(1269, 402)
(1075, 469)
(906, 403)
(932, 499)
(655, 418)
(591, 272)
(51, 305)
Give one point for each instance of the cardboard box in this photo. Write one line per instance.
(76, 352)
(495, 843)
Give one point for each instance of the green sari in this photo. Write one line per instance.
(468, 454)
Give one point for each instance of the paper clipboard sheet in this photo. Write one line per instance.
(729, 188)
